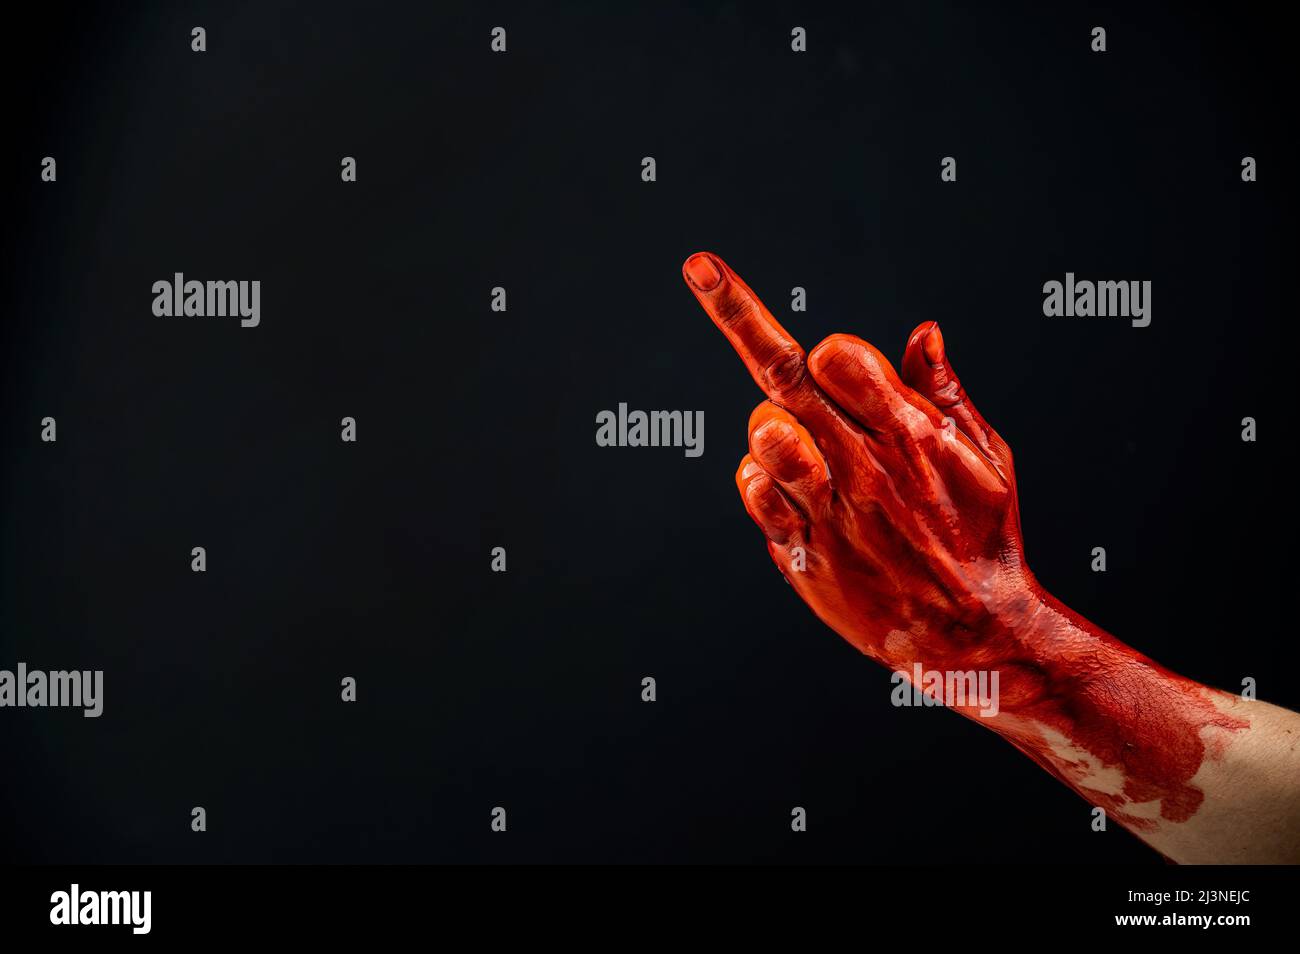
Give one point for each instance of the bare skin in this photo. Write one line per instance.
(889, 504)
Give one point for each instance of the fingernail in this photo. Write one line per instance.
(702, 272)
(933, 345)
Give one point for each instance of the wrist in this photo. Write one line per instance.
(1123, 731)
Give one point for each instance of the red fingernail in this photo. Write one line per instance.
(933, 345)
(702, 272)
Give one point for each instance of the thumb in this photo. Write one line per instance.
(927, 371)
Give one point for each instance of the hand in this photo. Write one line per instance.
(890, 505)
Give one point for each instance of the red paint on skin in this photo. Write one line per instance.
(1124, 710)
(903, 501)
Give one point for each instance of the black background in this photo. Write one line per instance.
(476, 429)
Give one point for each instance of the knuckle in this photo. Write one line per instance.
(780, 448)
(773, 436)
(949, 394)
(761, 414)
(833, 343)
(762, 497)
(785, 372)
(829, 355)
(746, 470)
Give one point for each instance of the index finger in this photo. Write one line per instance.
(775, 360)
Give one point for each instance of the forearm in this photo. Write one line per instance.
(1201, 775)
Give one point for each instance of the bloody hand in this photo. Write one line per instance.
(890, 506)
